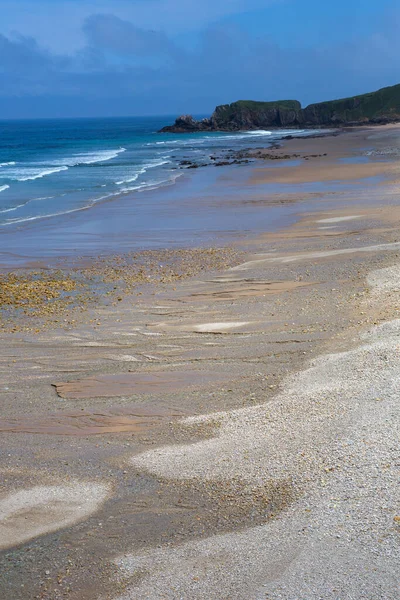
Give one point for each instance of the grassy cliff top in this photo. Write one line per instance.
(382, 106)
(259, 106)
(368, 106)
(373, 104)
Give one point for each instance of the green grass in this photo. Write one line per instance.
(254, 106)
(380, 105)
(384, 102)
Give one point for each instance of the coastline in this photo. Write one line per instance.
(288, 403)
(71, 179)
(212, 204)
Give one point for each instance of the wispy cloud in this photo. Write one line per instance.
(122, 68)
(112, 34)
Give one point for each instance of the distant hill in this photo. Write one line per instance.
(382, 106)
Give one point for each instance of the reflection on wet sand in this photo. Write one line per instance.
(248, 288)
(92, 422)
(123, 384)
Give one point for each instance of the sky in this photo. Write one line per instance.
(79, 58)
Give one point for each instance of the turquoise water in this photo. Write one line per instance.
(50, 168)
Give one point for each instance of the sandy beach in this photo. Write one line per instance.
(216, 421)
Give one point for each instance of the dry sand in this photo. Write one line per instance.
(29, 513)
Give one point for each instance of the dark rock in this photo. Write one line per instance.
(187, 124)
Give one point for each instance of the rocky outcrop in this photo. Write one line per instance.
(187, 124)
(382, 106)
(244, 114)
(247, 114)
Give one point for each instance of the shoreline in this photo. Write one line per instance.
(102, 231)
(267, 486)
(60, 206)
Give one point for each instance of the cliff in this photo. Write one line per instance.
(247, 114)
(382, 106)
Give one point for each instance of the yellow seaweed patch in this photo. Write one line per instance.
(17, 291)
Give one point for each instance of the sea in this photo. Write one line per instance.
(51, 168)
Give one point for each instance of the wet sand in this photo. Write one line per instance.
(219, 432)
(91, 422)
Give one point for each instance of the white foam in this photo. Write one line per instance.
(91, 203)
(37, 171)
(144, 169)
(4, 187)
(151, 185)
(26, 219)
(158, 163)
(213, 137)
(130, 180)
(89, 158)
(6, 210)
(240, 135)
(85, 158)
(13, 208)
(31, 173)
(8, 164)
(259, 132)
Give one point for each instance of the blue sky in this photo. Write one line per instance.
(134, 57)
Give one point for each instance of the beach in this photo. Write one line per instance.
(209, 410)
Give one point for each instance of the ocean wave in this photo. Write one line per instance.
(8, 164)
(6, 210)
(151, 185)
(169, 142)
(158, 163)
(26, 219)
(39, 170)
(13, 208)
(31, 173)
(4, 187)
(200, 139)
(148, 186)
(130, 179)
(89, 158)
(259, 132)
(58, 214)
(144, 169)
